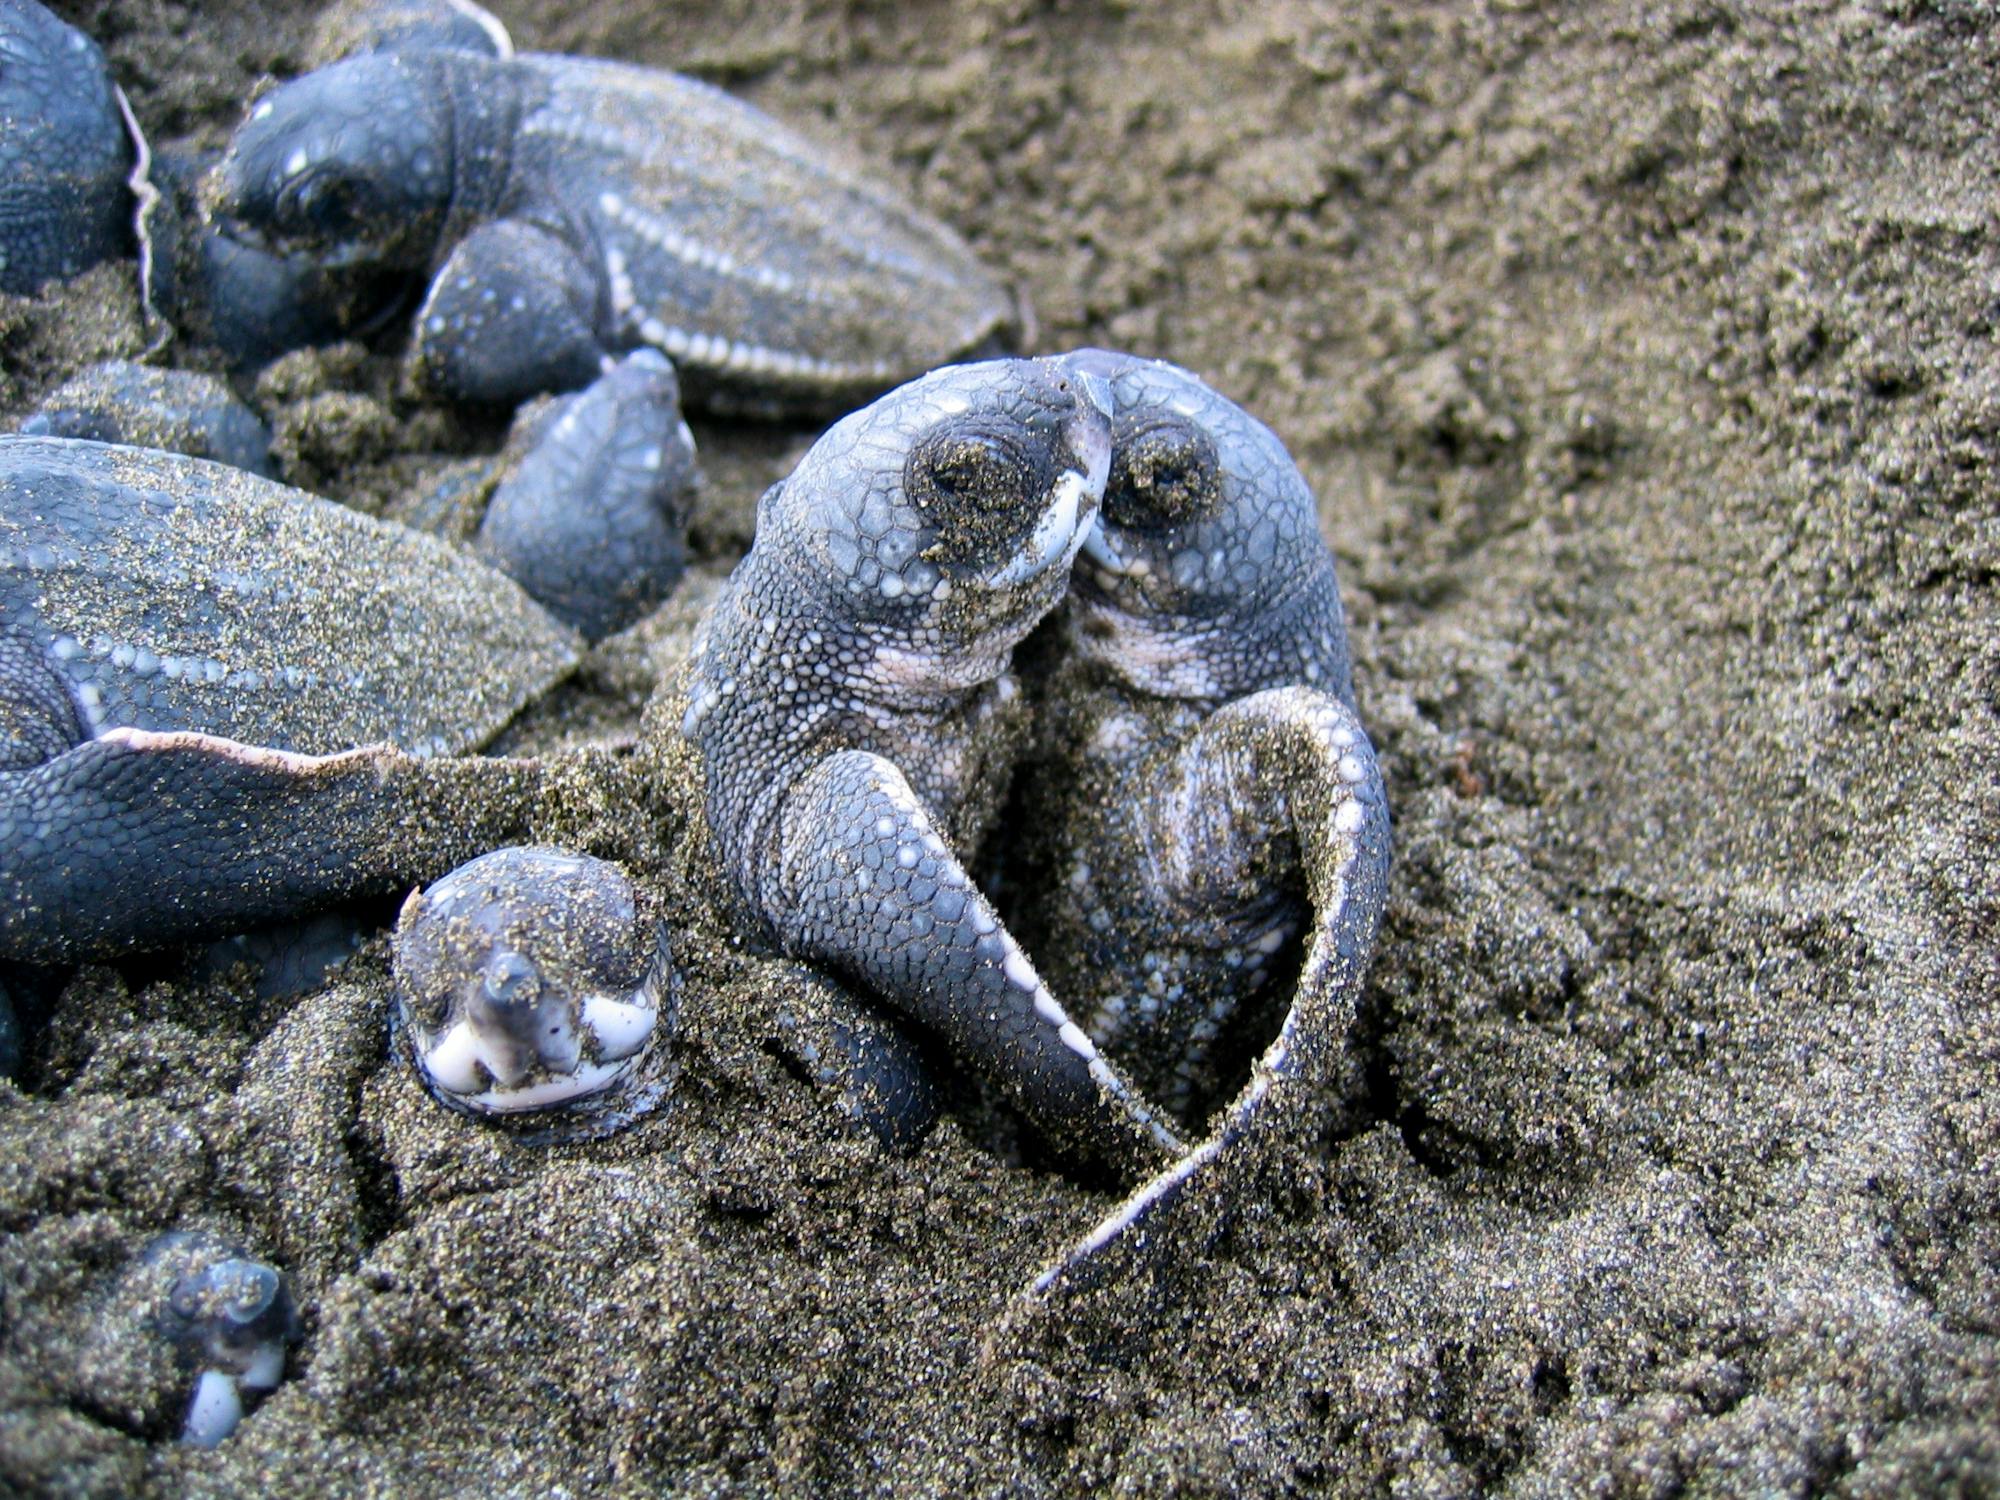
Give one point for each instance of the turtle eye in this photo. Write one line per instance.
(966, 469)
(323, 206)
(1165, 473)
(184, 1301)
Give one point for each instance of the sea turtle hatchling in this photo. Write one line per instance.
(851, 699)
(565, 209)
(532, 980)
(223, 701)
(192, 1332)
(245, 302)
(1202, 798)
(67, 149)
(231, 1320)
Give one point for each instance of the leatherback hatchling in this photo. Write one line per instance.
(565, 209)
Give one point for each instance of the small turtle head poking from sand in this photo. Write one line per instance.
(531, 981)
(231, 1319)
(352, 165)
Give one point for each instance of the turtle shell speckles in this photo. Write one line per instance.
(196, 666)
(566, 209)
(173, 593)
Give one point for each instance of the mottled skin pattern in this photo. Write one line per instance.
(1202, 794)
(183, 411)
(592, 518)
(183, 680)
(566, 209)
(64, 151)
(532, 984)
(852, 702)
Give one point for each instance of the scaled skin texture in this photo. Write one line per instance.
(856, 716)
(564, 210)
(1203, 806)
(64, 152)
(194, 705)
(253, 305)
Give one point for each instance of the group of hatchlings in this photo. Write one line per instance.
(226, 703)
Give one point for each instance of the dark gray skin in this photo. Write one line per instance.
(350, 28)
(533, 985)
(250, 305)
(563, 210)
(184, 682)
(1203, 796)
(253, 305)
(183, 411)
(851, 699)
(866, 1061)
(592, 518)
(65, 152)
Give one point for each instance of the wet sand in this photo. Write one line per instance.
(1642, 362)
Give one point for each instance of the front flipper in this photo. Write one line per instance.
(136, 840)
(865, 884)
(511, 313)
(1290, 774)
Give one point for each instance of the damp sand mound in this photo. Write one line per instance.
(1643, 363)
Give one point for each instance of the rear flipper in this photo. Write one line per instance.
(865, 1059)
(865, 883)
(1300, 763)
(137, 840)
(510, 314)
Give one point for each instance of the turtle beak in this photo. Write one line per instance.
(1071, 507)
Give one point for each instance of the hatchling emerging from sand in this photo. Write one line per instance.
(566, 209)
(1202, 816)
